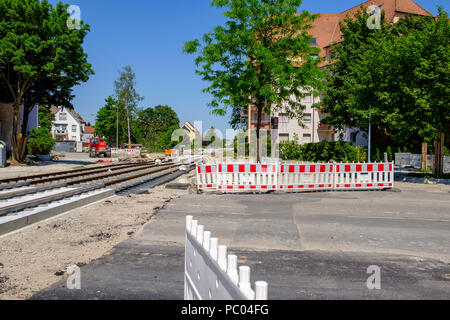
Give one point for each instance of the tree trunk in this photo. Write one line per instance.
(15, 135)
(439, 154)
(424, 156)
(258, 142)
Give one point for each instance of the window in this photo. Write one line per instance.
(308, 98)
(307, 136)
(284, 137)
(314, 41)
(283, 118)
(74, 128)
(307, 118)
(63, 116)
(74, 138)
(353, 136)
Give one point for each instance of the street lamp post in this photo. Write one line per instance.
(117, 129)
(370, 135)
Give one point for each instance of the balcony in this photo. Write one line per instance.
(324, 128)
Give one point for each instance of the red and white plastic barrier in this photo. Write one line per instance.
(295, 177)
(364, 176)
(207, 177)
(247, 177)
(306, 177)
(125, 152)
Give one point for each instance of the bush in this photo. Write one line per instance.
(323, 152)
(40, 142)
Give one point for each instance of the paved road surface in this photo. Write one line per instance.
(307, 246)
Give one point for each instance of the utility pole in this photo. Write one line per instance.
(370, 134)
(117, 130)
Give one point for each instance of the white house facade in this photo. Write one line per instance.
(66, 126)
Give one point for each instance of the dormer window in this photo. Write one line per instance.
(314, 41)
(63, 116)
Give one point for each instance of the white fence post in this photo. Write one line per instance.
(212, 275)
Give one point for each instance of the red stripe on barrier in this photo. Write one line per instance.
(390, 184)
(312, 169)
(302, 168)
(241, 187)
(220, 187)
(252, 187)
(390, 167)
(230, 168)
(264, 168)
(274, 168)
(208, 169)
(220, 168)
(369, 167)
(359, 185)
(347, 186)
(263, 187)
(301, 187)
(381, 185)
(200, 186)
(274, 187)
(281, 187)
(209, 186)
(348, 168)
(358, 168)
(291, 169)
(323, 168)
(242, 168)
(253, 168)
(381, 167)
(370, 185)
(230, 187)
(199, 170)
(321, 186)
(311, 186)
(290, 187)
(282, 169)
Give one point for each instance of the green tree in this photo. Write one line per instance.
(45, 118)
(106, 121)
(127, 96)
(39, 56)
(40, 142)
(152, 122)
(262, 56)
(396, 76)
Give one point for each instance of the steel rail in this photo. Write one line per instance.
(67, 194)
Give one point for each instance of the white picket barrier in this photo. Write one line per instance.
(212, 275)
(296, 177)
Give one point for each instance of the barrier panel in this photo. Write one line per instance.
(207, 177)
(295, 177)
(125, 152)
(364, 176)
(248, 177)
(209, 274)
(306, 177)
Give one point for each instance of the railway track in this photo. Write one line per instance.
(29, 199)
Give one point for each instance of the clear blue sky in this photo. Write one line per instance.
(149, 35)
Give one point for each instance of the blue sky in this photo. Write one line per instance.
(149, 35)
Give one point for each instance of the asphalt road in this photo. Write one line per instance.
(305, 245)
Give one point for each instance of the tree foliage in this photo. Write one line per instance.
(262, 56)
(40, 141)
(396, 76)
(106, 121)
(40, 57)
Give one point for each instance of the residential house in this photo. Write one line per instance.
(68, 125)
(326, 31)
